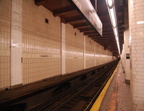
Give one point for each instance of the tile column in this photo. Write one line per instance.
(136, 23)
(16, 43)
(126, 56)
(84, 52)
(63, 49)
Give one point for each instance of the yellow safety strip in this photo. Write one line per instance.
(98, 102)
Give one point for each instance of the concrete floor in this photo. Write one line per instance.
(118, 96)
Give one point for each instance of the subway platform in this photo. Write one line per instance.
(118, 95)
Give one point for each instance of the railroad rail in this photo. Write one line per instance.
(75, 94)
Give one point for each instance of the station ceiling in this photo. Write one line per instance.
(69, 13)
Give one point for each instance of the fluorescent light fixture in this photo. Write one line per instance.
(110, 3)
(112, 13)
(113, 17)
(140, 22)
(118, 47)
(117, 43)
(117, 39)
(115, 31)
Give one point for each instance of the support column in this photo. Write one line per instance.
(127, 56)
(94, 54)
(100, 53)
(84, 52)
(136, 23)
(63, 49)
(16, 42)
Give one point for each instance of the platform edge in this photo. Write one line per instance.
(98, 102)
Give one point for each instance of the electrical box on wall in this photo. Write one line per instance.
(128, 56)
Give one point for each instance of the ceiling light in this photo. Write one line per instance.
(110, 3)
(113, 17)
(115, 31)
(117, 40)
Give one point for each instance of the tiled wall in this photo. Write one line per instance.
(89, 53)
(41, 43)
(105, 56)
(136, 23)
(74, 48)
(102, 55)
(97, 55)
(16, 42)
(110, 56)
(5, 21)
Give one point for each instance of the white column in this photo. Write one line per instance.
(127, 60)
(100, 55)
(136, 28)
(63, 49)
(16, 42)
(84, 52)
(94, 54)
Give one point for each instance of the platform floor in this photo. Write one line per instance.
(118, 96)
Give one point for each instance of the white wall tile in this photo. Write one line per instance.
(137, 31)
(5, 27)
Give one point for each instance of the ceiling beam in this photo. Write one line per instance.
(81, 25)
(89, 31)
(92, 35)
(74, 19)
(108, 33)
(86, 33)
(86, 29)
(84, 26)
(100, 37)
(40, 2)
(63, 10)
(108, 36)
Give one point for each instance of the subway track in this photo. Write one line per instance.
(75, 94)
(80, 97)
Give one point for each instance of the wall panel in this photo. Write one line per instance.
(102, 54)
(89, 53)
(74, 49)
(98, 54)
(41, 43)
(5, 26)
